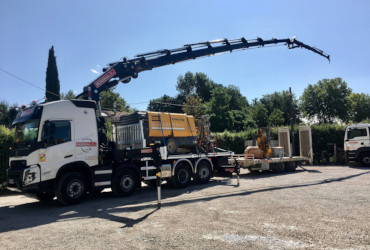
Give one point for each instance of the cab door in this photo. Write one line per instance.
(356, 137)
(59, 150)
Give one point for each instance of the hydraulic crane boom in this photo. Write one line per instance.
(123, 71)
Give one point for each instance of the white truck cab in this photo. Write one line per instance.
(357, 143)
(50, 137)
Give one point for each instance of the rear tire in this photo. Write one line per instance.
(125, 183)
(45, 196)
(203, 173)
(71, 188)
(182, 176)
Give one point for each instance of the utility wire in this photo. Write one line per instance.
(163, 103)
(19, 78)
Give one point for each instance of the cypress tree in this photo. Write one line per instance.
(52, 92)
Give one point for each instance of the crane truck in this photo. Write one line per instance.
(61, 148)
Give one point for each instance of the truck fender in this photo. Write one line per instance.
(182, 160)
(78, 166)
(202, 159)
(131, 166)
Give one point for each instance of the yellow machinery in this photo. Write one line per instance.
(263, 143)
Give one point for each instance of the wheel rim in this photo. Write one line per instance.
(127, 183)
(75, 188)
(183, 176)
(203, 173)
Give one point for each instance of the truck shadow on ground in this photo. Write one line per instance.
(106, 206)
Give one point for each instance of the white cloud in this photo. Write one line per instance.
(94, 71)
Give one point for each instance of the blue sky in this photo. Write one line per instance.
(87, 35)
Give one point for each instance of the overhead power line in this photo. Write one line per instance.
(21, 79)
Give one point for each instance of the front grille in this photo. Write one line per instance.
(20, 164)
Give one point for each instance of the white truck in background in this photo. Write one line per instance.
(357, 143)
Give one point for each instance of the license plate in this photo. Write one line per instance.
(11, 181)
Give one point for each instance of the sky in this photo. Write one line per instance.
(87, 35)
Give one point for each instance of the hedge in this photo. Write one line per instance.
(6, 139)
(321, 135)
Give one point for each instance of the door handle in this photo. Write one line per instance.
(67, 156)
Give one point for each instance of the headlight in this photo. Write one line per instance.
(31, 175)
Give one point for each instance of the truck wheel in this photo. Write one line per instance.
(171, 146)
(182, 176)
(365, 160)
(203, 173)
(45, 196)
(71, 188)
(125, 183)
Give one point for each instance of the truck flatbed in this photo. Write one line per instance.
(249, 161)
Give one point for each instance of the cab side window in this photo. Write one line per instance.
(357, 132)
(56, 132)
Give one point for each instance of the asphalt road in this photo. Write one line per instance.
(315, 207)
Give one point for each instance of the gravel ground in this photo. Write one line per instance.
(315, 207)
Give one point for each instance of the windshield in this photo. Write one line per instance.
(26, 133)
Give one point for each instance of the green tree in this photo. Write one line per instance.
(165, 104)
(68, 96)
(281, 101)
(259, 114)
(276, 118)
(238, 101)
(193, 106)
(52, 92)
(326, 100)
(239, 120)
(195, 84)
(7, 114)
(109, 97)
(360, 107)
(218, 109)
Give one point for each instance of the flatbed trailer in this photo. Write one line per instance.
(279, 164)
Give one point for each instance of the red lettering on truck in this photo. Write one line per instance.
(104, 78)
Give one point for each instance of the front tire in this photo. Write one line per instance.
(125, 183)
(365, 160)
(71, 188)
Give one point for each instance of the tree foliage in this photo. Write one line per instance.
(280, 101)
(259, 114)
(7, 114)
(193, 106)
(326, 100)
(52, 92)
(68, 96)
(165, 104)
(109, 98)
(195, 84)
(360, 107)
(276, 118)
